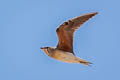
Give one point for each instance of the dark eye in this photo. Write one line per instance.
(66, 23)
(57, 29)
(46, 47)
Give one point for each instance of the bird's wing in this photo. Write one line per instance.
(66, 31)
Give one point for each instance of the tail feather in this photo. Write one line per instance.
(85, 62)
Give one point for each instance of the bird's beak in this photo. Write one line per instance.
(42, 48)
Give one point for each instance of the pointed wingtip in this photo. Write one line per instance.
(95, 13)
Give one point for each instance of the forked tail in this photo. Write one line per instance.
(85, 62)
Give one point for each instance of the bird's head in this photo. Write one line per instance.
(45, 49)
(48, 50)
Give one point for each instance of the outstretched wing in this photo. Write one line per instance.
(66, 31)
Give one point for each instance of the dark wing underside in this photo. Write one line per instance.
(66, 31)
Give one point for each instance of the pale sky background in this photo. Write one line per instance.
(27, 25)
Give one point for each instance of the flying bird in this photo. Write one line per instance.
(64, 49)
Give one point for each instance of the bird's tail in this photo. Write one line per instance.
(84, 62)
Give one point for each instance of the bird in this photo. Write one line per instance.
(65, 32)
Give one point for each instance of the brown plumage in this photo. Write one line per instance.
(66, 31)
(64, 50)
